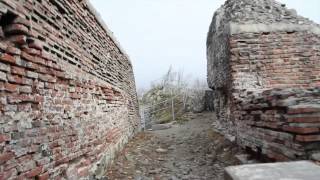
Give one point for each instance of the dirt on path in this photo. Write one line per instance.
(193, 150)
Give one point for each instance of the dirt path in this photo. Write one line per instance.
(192, 150)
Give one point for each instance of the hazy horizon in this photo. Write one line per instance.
(160, 34)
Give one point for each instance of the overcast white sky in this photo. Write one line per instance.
(160, 33)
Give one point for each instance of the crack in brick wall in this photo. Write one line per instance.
(67, 91)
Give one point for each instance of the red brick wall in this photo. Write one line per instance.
(261, 63)
(273, 60)
(67, 91)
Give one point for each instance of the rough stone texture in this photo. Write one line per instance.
(209, 100)
(255, 46)
(197, 103)
(67, 91)
(299, 170)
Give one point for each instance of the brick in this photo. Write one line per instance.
(32, 74)
(27, 81)
(48, 85)
(25, 89)
(32, 51)
(4, 67)
(16, 29)
(39, 85)
(18, 70)
(39, 98)
(15, 79)
(3, 76)
(25, 107)
(21, 20)
(10, 4)
(14, 99)
(44, 176)
(26, 165)
(11, 87)
(6, 156)
(28, 57)
(300, 109)
(4, 137)
(10, 108)
(35, 172)
(75, 95)
(36, 44)
(46, 78)
(308, 138)
(40, 60)
(83, 171)
(7, 174)
(59, 74)
(7, 58)
(13, 50)
(305, 124)
(32, 66)
(301, 130)
(277, 156)
(22, 63)
(304, 119)
(46, 56)
(18, 39)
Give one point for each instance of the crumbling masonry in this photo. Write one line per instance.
(67, 91)
(264, 66)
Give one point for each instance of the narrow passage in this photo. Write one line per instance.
(192, 150)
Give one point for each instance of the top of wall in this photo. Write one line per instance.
(258, 13)
(105, 27)
(71, 32)
(261, 11)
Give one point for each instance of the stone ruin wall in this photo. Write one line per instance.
(264, 65)
(67, 91)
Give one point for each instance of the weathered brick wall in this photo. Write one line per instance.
(283, 124)
(275, 59)
(271, 60)
(254, 46)
(67, 91)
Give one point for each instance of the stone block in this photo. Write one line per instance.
(299, 170)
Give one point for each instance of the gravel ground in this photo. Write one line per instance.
(193, 150)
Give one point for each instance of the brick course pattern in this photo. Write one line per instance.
(283, 124)
(257, 51)
(67, 91)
